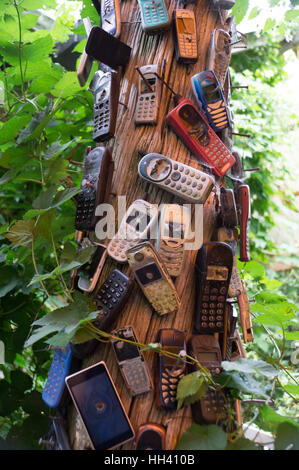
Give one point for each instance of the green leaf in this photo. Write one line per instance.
(269, 24)
(243, 382)
(36, 126)
(293, 389)
(11, 128)
(253, 268)
(189, 384)
(287, 437)
(269, 419)
(240, 10)
(21, 381)
(68, 318)
(21, 233)
(187, 401)
(291, 15)
(251, 366)
(67, 86)
(198, 437)
(46, 200)
(242, 444)
(292, 335)
(38, 49)
(56, 148)
(8, 280)
(254, 13)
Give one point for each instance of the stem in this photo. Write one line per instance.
(36, 270)
(288, 393)
(65, 289)
(20, 50)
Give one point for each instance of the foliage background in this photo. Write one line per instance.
(46, 123)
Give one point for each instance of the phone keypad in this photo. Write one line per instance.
(101, 120)
(212, 407)
(155, 14)
(218, 153)
(168, 386)
(188, 45)
(172, 257)
(55, 386)
(146, 109)
(86, 205)
(111, 296)
(136, 376)
(212, 310)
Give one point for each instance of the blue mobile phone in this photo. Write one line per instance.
(154, 16)
(207, 92)
(55, 392)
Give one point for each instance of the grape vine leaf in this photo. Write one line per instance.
(197, 437)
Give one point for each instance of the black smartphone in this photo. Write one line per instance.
(106, 48)
(100, 408)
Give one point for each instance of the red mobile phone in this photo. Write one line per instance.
(189, 124)
(244, 215)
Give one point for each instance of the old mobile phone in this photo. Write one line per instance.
(63, 363)
(230, 326)
(110, 17)
(150, 436)
(89, 273)
(244, 215)
(245, 318)
(226, 235)
(107, 49)
(182, 180)
(131, 361)
(223, 4)
(100, 408)
(56, 437)
(111, 296)
(154, 16)
(189, 124)
(211, 408)
(105, 85)
(218, 59)
(170, 370)
(153, 278)
(149, 95)
(95, 186)
(140, 218)
(207, 92)
(185, 36)
(237, 171)
(213, 269)
(173, 230)
(228, 208)
(86, 61)
(237, 350)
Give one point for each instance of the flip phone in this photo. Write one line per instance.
(218, 58)
(189, 184)
(245, 318)
(213, 269)
(228, 208)
(110, 17)
(63, 364)
(226, 235)
(208, 94)
(139, 220)
(105, 86)
(244, 216)
(107, 49)
(185, 36)
(170, 370)
(154, 16)
(131, 362)
(111, 296)
(148, 102)
(199, 137)
(173, 230)
(95, 187)
(153, 278)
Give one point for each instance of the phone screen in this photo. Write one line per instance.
(100, 408)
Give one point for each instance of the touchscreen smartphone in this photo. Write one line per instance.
(99, 406)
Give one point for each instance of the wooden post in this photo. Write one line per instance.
(128, 140)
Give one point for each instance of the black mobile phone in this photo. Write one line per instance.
(107, 49)
(95, 186)
(105, 85)
(56, 437)
(100, 408)
(213, 270)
